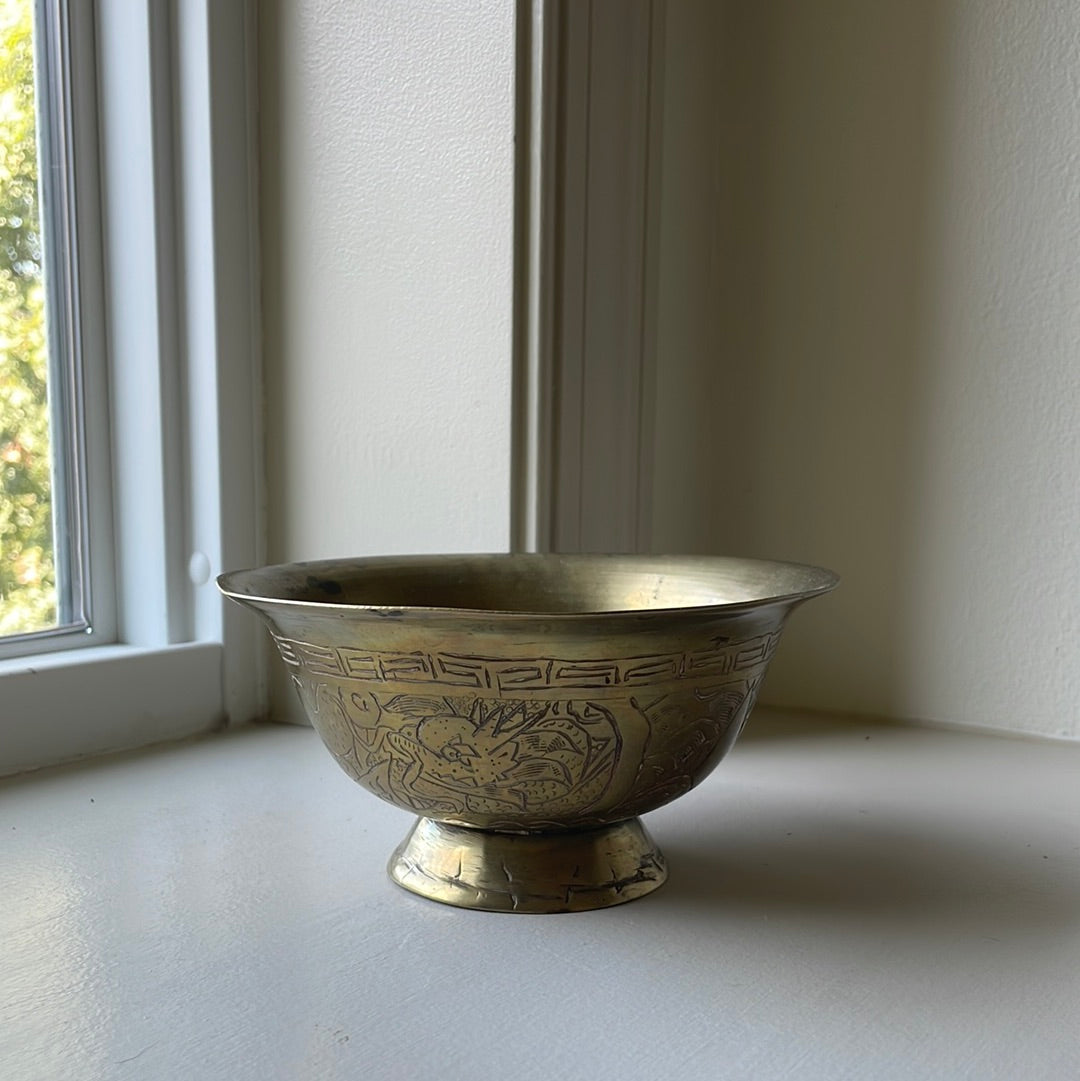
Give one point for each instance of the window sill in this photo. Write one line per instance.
(105, 698)
(845, 899)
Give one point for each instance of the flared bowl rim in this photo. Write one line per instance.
(319, 581)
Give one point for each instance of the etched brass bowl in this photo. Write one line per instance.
(528, 707)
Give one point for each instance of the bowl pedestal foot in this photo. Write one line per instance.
(532, 872)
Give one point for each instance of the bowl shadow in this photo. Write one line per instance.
(828, 868)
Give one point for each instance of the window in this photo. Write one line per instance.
(39, 568)
(150, 166)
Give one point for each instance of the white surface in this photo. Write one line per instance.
(215, 65)
(602, 282)
(387, 229)
(145, 351)
(845, 902)
(868, 327)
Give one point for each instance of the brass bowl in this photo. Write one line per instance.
(528, 707)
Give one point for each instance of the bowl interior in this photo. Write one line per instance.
(538, 584)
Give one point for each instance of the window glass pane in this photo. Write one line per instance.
(28, 588)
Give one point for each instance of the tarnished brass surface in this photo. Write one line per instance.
(529, 872)
(558, 696)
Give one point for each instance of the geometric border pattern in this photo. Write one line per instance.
(508, 676)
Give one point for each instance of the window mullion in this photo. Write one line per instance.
(59, 252)
(142, 298)
(215, 70)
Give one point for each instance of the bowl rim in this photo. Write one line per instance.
(231, 585)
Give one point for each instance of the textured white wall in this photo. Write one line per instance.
(387, 229)
(869, 317)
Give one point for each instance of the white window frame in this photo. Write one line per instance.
(164, 92)
(588, 175)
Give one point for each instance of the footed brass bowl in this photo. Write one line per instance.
(528, 707)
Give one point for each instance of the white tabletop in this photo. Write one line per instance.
(846, 901)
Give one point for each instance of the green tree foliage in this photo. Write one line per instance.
(27, 574)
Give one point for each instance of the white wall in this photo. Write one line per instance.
(869, 318)
(387, 228)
